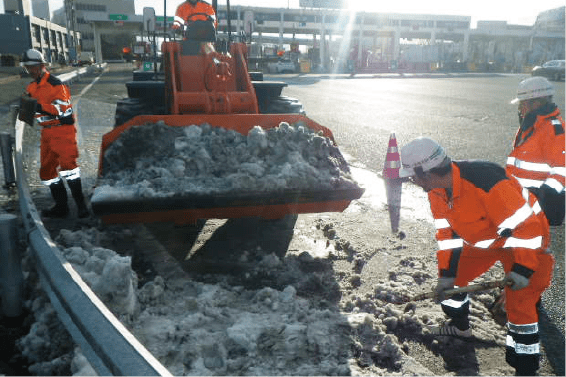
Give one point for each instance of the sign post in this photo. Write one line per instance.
(149, 26)
(149, 19)
(248, 22)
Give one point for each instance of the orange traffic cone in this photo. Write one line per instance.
(393, 183)
(392, 160)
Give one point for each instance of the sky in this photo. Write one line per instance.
(518, 12)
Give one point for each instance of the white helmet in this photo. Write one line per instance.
(533, 87)
(32, 57)
(421, 153)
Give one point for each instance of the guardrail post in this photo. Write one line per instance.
(7, 147)
(11, 276)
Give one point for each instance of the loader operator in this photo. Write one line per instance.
(537, 158)
(195, 10)
(51, 107)
(483, 215)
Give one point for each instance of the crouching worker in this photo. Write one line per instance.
(58, 145)
(482, 215)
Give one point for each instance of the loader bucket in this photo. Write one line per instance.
(190, 208)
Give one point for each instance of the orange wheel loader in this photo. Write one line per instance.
(200, 86)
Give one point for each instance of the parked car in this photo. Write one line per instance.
(553, 70)
(284, 66)
(84, 58)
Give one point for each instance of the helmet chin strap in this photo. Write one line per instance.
(419, 171)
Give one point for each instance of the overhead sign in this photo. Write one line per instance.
(160, 19)
(118, 17)
(149, 19)
(160, 25)
(330, 4)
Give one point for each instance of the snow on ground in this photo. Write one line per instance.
(197, 328)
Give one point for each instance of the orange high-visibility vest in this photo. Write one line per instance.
(55, 100)
(189, 12)
(537, 157)
(487, 209)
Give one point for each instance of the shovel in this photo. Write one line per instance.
(451, 292)
(487, 285)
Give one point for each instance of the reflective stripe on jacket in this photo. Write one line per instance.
(55, 100)
(486, 210)
(200, 11)
(537, 157)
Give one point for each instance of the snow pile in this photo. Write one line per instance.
(156, 160)
(47, 348)
(278, 321)
(195, 328)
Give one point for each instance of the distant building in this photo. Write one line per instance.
(369, 40)
(551, 20)
(19, 31)
(86, 10)
(18, 7)
(41, 9)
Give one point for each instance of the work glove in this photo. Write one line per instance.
(516, 281)
(28, 108)
(442, 285)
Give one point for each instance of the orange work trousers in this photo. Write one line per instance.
(520, 305)
(58, 149)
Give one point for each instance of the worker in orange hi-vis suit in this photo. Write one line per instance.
(193, 10)
(483, 215)
(537, 159)
(58, 146)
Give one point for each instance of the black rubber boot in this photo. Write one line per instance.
(77, 191)
(59, 194)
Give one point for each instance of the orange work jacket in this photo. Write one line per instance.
(488, 210)
(55, 100)
(537, 157)
(189, 12)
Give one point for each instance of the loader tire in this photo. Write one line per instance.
(282, 105)
(127, 108)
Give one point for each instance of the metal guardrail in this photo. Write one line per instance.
(107, 344)
(75, 75)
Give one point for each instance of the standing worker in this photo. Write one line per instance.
(482, 215)
(53, 111)
(537, 158)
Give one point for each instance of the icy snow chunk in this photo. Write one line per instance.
(288, 294)
(246, 330)
(116, 286)
(76, 255)
(257, 138)
(80, 365)
(193, 132)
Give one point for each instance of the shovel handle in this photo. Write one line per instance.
(469, 288)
